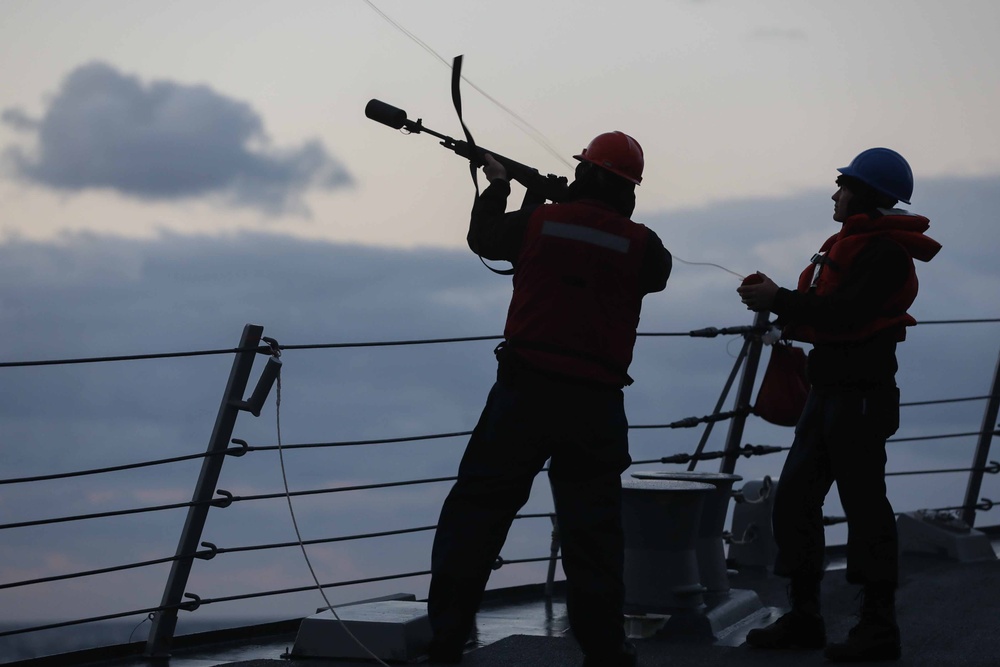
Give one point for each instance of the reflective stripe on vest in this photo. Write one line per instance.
(586, 235)
(576, 300)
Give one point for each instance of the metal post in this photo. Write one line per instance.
(553, 557)
(982, 450)
(718, 405)
(162, 631)
(744, 393)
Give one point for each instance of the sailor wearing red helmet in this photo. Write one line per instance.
(850, 303)
(581, 270)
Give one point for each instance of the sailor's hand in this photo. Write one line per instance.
(758, 294)
(493, 169)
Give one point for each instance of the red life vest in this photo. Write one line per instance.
(830, 267)
(577, 297)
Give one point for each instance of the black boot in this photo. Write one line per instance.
(801, 628)
(444, 654)
(624, 657)
(876, 636)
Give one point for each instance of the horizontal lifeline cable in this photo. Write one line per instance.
(212, 551)
(760, 450)
(978, 321)
(690, 422)
(991, 469)
(368, 580)
(197, 601)
(686, 422)
(746, 450)
(708, 332)
(351, 443)
(337, 489)
(361, 536)
(943, 436)
(133, 357)
(107, 617)
(206, 555)
(944, 400)
(984, 505)
(217, 502)
(683, 423)
(232, 451)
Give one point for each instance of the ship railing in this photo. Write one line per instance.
(192, 547)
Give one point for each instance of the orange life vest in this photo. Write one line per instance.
(577, 297)
(830, 267)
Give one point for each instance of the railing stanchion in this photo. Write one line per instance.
(981, 457)
(718, 406)
(744, 394)
(162, 631)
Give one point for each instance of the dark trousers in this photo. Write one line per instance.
(839, 438)
(528, 420)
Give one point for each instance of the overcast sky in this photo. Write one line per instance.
(171, 172)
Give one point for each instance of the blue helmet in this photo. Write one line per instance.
(884, 170)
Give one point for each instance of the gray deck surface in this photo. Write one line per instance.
(949, 614)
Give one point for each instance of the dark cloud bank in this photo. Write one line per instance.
(94, 296)
(164, 140)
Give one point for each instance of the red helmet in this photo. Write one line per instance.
(618, 153)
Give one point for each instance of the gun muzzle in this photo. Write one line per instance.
(386, 114)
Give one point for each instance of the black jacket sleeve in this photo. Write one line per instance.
(493, 233)
(656, 265)
(879, 270)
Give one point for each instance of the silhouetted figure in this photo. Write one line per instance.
(851, 304)
(581, 269)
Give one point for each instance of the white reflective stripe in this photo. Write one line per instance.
(586, 235)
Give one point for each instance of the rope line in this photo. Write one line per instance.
(524, 125)
(718, 266)
(301, 543)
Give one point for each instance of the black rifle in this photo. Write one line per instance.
(539, 188)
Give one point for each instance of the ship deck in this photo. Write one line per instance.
(948, 615)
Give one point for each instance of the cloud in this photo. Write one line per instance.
(164, 140)
(19, 120)
(778, 34)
